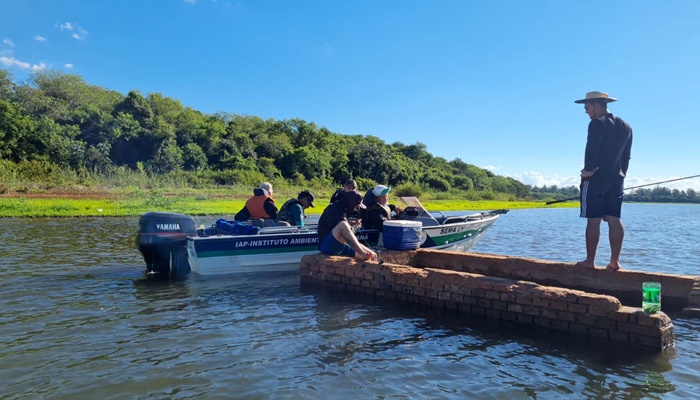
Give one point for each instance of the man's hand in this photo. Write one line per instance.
(588, 174)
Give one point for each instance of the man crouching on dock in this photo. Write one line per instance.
(336, 235)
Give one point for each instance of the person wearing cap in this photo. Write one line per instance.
(261, 205)
(350, 185)
(336, 234)
(606, 159)
(378, 210)
(292, 211)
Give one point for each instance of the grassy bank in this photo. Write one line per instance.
(205, 202)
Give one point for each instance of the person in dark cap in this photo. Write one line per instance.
(292, 210)
(607, 157)
(350, 185)
(336, 235)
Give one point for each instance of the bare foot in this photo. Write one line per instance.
(585, 264)
(613, 267)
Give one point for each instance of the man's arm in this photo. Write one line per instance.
(297, 213)
(270, 209)
(593, 143)
(242, 215)
(626, 155)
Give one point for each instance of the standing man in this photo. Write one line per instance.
(292, 210)
(607, 157)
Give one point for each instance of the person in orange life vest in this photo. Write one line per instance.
(261, 205)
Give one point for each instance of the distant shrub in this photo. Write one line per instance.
(408, 190)
(364, 184)
(438, 183)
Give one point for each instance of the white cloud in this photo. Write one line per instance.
(13, 62)
(535, 178)
(652, 182)
(69, 66)
(39, 38)
(77, 32)
(39, 67)
(491, 168)
(8, 42)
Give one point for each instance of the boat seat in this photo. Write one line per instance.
(426, 221)
(264, 223)
(453, 220)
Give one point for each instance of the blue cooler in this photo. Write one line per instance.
(402, 235)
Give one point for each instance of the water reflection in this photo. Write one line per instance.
(79, 319)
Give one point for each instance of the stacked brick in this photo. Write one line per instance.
(594, 315)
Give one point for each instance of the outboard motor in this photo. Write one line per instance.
(162, 240)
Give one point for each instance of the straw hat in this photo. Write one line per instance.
(598, 96)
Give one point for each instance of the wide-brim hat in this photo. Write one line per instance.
(596, 96)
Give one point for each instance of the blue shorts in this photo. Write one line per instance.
(601, 197)
(333, 247)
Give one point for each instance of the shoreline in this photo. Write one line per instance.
(124, 204)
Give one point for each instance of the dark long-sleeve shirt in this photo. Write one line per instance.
(608, 147)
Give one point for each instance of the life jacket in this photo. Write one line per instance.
(368, 201)
(285, 215)
(376, 223)
(256, 206)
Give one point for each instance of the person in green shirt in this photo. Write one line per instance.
(292, 210)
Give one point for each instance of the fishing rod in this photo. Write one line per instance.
(629, 188)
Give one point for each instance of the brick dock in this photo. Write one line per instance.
(553, 295)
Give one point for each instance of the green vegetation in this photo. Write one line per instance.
(62, 129)
(138, 203)
(68, 139)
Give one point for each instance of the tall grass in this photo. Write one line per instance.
(125, 191)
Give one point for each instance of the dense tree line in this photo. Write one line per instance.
(60, 119)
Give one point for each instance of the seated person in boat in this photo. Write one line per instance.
(292, 210)
(261, 205)
(336, 235)
(350, 185)
(378, 208)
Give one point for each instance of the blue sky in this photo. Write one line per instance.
(490, 82)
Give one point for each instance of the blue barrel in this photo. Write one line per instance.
(402, 235)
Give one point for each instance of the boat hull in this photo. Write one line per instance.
(461, 236)
(227, 254)
(230, 254)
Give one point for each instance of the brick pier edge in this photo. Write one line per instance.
(493, 286)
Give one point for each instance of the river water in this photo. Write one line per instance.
(79, 320)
